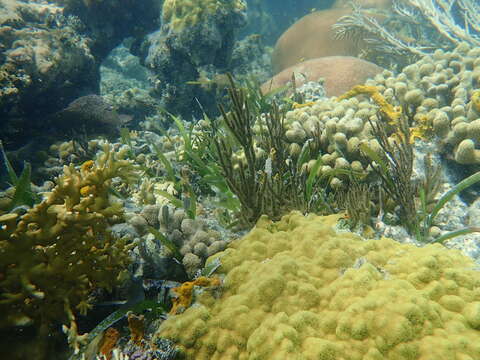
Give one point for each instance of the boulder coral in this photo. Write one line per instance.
(297, 289)
(311, 37)
(340, 74)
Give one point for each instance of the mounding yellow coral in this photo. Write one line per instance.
(476, 100)
(53, 256)
(299, 290)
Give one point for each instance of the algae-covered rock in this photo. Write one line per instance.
(297, 289)
(196, 36)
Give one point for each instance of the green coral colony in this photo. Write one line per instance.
(293, 226)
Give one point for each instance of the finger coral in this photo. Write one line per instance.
(53, 256)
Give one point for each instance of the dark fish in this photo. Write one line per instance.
(91, 111)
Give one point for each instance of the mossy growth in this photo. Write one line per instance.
(180, 14)
(60, 250)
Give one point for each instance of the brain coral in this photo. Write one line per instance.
(312, 37)
(340, 73)
(297, 289)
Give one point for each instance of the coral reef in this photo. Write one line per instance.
(188, 13)
(437, 92)
(297, 289)
(51, 53)
(41, 49)
(60, 250)
(197, 38)
(124, 19)
(378, 4)
(194, 238)
(184, 293)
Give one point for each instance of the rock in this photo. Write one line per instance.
(341, 73)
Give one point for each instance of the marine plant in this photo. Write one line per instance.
(394, 166)
(23, 194)
(192, 158)
(258, 168)
(357, 202)
(61, 249)
(411, 29)
(416, 200)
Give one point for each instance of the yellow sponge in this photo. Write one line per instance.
(299, 290)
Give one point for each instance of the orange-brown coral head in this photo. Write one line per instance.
(185, 293)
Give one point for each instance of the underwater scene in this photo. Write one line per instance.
(240, 179)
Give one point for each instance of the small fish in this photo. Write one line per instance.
(219, 80)
(91, 111)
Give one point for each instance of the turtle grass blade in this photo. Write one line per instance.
(190, 202)
(374, 157)
(183, 132)
(127, 140)
(23, 189)
(166, 163)
(211, 267)
(166, 242)
(312, 176)
(11, 173)
(462, 185)
(175, 202)
(304, 155)
(452, 234)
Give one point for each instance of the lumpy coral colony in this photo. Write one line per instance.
(297, 289)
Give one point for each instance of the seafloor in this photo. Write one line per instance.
(240, 179)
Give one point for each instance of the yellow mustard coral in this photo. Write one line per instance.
(299, 290)
(392, 112)
(54, 255)
(179, 14)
